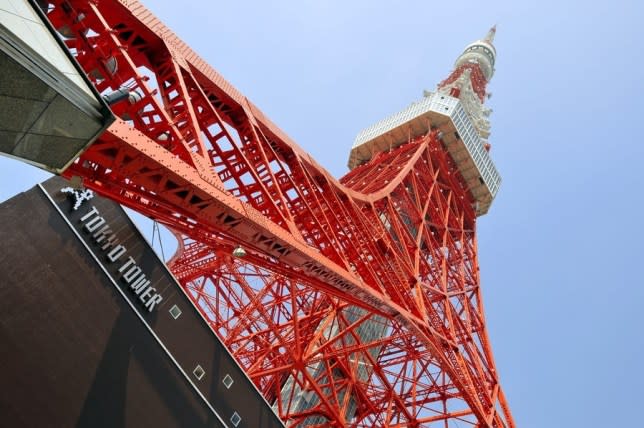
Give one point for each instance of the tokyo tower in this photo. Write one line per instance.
(351, 302)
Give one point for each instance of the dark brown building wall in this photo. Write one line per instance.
(76, 351)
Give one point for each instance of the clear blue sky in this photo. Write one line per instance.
(561, 248)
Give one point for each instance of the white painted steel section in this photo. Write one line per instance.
(460, 137)
(476, 149)
(440, 104)
(23, 21)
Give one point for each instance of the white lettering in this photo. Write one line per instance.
(147, 294)
(90, 213)
(105, 234)
(129, 262)
(140, 286)
(131, 274)
(154, 300)
(105, 239)
(102, 233)
(135, 284)
(110, 242)
(94, 224)
(116, 253)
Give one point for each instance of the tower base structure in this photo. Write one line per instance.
(88, 342)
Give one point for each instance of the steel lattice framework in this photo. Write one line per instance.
(358, 302)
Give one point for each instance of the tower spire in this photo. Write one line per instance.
(489, 37)
(481, 52)
(473, 70)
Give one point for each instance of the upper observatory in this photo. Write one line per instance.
(457, 109)
(481, 52)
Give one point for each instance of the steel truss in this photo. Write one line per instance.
(358, 302)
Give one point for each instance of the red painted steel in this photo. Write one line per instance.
(391, 247)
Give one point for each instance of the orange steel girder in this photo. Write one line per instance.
(391, 246)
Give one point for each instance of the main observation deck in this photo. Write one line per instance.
(459, 136)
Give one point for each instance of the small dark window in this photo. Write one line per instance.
(199, 372)
(235, 419)
(227, 381)
(175, 312)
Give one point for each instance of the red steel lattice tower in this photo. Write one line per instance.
(357, 301)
